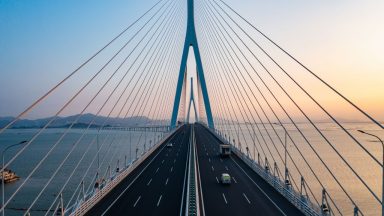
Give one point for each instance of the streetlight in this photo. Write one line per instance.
(382, 186)
(285, 152)
(2, 173)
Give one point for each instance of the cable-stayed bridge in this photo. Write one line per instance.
(291, 153)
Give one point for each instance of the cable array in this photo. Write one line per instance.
(128, 84)
(262, 105)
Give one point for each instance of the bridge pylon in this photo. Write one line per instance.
(191, 41)
(192, 100)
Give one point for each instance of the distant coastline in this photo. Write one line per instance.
(79, 121)
(83, 121)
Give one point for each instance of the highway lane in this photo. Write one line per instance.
(243, 196)
(156, 188)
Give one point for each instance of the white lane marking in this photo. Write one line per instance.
(245, 196)
(174, 161)
(221, 160)
(265, 194)
(166, 182)
(225, 200)
(137, 201)
(166, 155)
(199, 182)
(157, 170)
(234, 179)
(177, 154)
(171, 169)
(213, 169)
(184, 182)
(158, 202)
(149, 182)
(209, 159)
(207, 153)
(162, 161)
(130, 184)
(226, 168)
(217, 180)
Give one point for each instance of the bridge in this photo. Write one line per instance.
(290, 153)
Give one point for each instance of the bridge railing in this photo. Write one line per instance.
(95, 196)
(303, 203)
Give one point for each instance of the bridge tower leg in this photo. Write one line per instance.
(191, 41)
(192, 100)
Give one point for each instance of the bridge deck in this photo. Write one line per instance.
(248, 193)
(156, 187)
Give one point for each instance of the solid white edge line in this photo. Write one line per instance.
(265, 194)
(185, 176)
(200, 186)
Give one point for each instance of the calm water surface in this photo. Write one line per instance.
(118, 148)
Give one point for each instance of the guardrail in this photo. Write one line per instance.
(155, 128)
(299, 201)
(302, 203)
(91, 199)
(192, 192)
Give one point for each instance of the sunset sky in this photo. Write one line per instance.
(43, 41)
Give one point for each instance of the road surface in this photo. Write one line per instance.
(156, 188)
(243, 196)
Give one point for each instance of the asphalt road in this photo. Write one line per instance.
(156, 187)
(248, 193)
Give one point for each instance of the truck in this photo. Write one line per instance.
(225, 150)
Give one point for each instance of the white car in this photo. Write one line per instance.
(225, 178)
(169, 145)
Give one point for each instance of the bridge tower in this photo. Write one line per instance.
(192, 100)
(191, 41)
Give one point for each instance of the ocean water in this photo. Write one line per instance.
(118, 148)
(105, 149)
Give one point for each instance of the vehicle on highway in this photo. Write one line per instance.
(169, 145)
(225, 150)
(225, 178)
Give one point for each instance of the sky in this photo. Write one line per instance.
(43, 40)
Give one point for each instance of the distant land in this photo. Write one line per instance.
(82, 122)
(85, 119)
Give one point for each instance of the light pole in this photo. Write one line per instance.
(285, 152)
(382, 179)
(2, 173)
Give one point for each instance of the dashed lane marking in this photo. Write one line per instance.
(234, 180)
(137, 201)
(149, 182)
(245, 196)
(158, 202)
(225, 199)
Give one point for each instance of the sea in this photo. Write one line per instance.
(72, 160)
